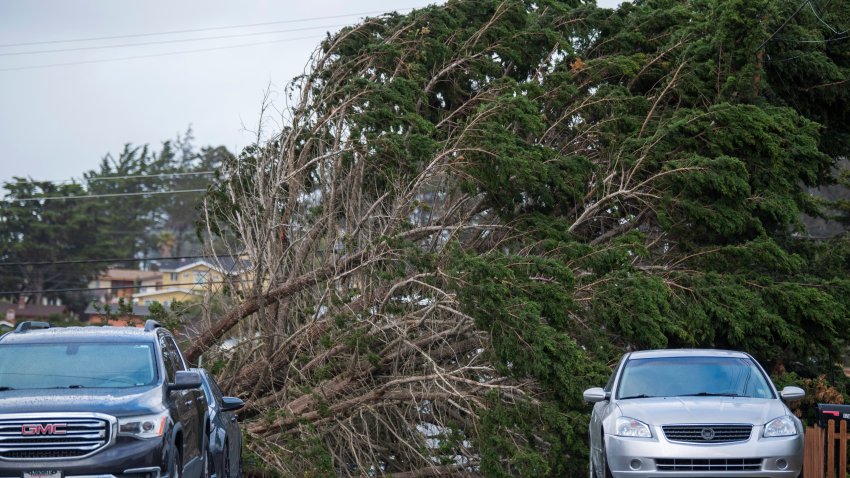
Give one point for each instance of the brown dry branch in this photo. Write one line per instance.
(352, 352)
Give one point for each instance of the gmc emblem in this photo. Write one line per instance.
(46, 429)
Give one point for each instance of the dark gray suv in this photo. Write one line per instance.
(106, 401)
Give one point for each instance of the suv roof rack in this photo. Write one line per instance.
(28, 325)
(151, 325)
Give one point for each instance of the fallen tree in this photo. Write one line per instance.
(471, 210)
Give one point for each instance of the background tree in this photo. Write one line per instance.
(45, 231)
(138, 211)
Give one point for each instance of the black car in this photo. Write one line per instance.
(104, 401)
(224, 455)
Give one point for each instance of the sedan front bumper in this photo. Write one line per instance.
(656, 457)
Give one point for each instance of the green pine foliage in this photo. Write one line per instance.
(654, 164)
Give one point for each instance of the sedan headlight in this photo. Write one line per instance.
(780, 427)
(144, 426)
(629, 427)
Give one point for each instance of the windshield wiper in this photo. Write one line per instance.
(710, 394)
(637, 396)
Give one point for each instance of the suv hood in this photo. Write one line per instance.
(111, 401)
(709, 410)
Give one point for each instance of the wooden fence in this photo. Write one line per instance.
(825, 453)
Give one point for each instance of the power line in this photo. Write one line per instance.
(783, 24)
(196, 30)
(137, 57)
(825, 40)
(827, 25)
(165, 42)
(111, 178)
(83, 289)
(120, 259)
(161, 175)
(112, 195)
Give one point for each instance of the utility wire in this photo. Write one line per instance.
(136, 57)
(783, 24)
(196, 30)
(119, 259)
(113, 195)
(827, 25)
(109, 178)
(825, 40)
(165, 42)
(83, 289)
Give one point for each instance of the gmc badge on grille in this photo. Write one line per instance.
(46, 429)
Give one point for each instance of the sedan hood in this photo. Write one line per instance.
(709, 410)
(111, 401)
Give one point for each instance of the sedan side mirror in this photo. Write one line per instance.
(596, 394)
(229, 404)
(789, 394)
(184, 380)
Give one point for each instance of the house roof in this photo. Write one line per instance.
(32, 310)
(138, 310)
(128, 274)
(170, 290)
(224, 264)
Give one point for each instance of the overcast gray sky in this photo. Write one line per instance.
(58, 121)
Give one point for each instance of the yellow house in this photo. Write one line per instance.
(186, 280)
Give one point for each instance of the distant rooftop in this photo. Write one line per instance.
(128, 275)
(138, 310)
(31, 310)
(225, 264)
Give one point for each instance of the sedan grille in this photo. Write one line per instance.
(39, 438)
(713, 464)
(707, 433)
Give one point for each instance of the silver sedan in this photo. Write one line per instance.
(689, 413)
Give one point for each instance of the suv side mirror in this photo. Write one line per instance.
(229, 404)
(789, 394)
(595, 394)
(184, 380)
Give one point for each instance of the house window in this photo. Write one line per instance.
(174, 276)
(200, 277)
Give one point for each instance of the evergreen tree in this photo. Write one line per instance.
(651, 164)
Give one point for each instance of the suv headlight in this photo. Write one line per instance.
(629, 427)
(780, 427)
(144, 426)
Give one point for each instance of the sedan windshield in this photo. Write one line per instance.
(76, 365)
(692, 377)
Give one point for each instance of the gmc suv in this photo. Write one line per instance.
(106, 401)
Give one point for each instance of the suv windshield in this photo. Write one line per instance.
(692, 376)
(76, 365)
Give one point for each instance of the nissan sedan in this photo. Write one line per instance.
(693, 413)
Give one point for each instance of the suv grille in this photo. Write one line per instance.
(38, 438)
(713, 464)
(707, 433)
